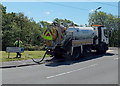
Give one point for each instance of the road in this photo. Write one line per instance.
(100, 69)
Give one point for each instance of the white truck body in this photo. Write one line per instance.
(80, 33)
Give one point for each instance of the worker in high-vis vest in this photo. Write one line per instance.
(18, 43)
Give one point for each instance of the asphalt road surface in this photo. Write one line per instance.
(98, 69)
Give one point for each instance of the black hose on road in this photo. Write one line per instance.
(38, 62)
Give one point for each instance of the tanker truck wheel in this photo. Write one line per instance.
(87, 51)
(102, 48)
(76, 53)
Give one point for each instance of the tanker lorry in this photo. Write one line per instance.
(73, 41)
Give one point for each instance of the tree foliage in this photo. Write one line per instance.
(65, 22)
(17, 25)
(111, 22)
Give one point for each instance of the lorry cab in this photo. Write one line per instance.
(101, 33)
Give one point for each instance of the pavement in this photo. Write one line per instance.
(99, 69)
(29, 62)
(17, 63)
(21, 63)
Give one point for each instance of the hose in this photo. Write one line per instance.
(38, 62)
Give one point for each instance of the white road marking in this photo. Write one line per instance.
(70, 71)
(76, 69)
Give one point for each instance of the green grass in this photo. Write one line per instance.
(26, 55)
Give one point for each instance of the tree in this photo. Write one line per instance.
(16, 25)
(3, 8)
(65, 22)
(109, 21)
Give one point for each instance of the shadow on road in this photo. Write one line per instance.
(70, 62)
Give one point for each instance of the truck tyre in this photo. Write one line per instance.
(102, 48)
(86, 51)
(76, 53)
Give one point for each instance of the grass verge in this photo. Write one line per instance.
(25, 56)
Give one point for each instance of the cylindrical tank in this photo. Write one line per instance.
(81, 32)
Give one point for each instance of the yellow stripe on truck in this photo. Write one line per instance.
(47, 35)
(51, 34)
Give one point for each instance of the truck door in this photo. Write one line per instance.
(104, 36)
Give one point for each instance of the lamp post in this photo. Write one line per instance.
(98, 8)
(96, 13)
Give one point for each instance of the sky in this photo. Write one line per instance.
(78, 12)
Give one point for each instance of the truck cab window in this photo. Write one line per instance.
(106, 33)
